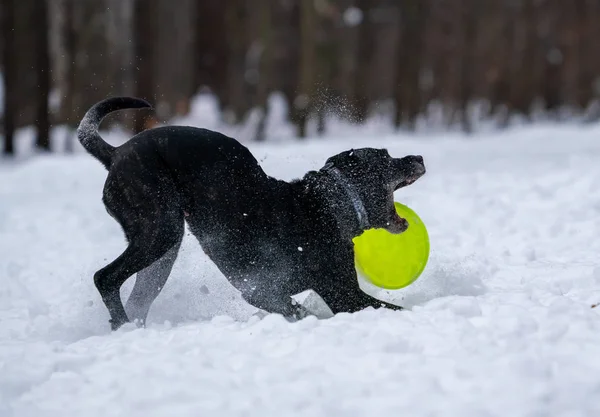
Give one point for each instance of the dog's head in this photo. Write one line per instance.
(374, 176)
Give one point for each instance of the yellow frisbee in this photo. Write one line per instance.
(393, 261)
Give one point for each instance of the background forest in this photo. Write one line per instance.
(450, 63)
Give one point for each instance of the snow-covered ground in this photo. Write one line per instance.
(500, 323)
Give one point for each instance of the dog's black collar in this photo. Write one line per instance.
(357, 204)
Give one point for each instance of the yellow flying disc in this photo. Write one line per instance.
(393, 261)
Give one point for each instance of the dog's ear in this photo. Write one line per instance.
(328, 165)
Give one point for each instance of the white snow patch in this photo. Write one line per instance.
(500, 323)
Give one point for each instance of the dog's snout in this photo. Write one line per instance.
(418, 165)
(410, 163)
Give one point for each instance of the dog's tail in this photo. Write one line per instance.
(87, 132)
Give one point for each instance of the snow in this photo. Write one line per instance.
(500, 323)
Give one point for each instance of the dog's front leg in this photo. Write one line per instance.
(353, 299)
(275, 303)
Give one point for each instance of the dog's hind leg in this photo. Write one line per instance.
(148, 243)
(148, 284)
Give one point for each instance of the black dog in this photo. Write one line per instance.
(270, 238)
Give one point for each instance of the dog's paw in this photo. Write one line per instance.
(117, 324)
(391, 306)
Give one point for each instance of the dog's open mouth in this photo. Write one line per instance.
(397, 224)
(407, 181)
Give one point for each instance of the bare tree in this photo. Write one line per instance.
(553, 64)
(303, 104)
(523, 83)
(364, 58)
(10, 85)
(581, 36)
(145, 19)
(502, 63)
(210, 52)
(236, 22)
(409, 62)
(469, 12)
(42, 52)
(265, 65)
(170, 44)
(69, 44)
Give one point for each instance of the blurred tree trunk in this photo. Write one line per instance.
(120, 59)
(553, 57)
(593, 60)
(70, 50)
(24, 58)
(470, 14)
(42, 52)
(236, 23)
(551, 87)
(69, 41)
(328, 56)
(265, 65)
(286, 53)
(501, 74)
(10, 74)
(171, 42)
(583, 44)
(524, 82)
(210, 52)
(303, 104)
(409, 59)
(364, 58)
(88, 58)
(145, 20)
